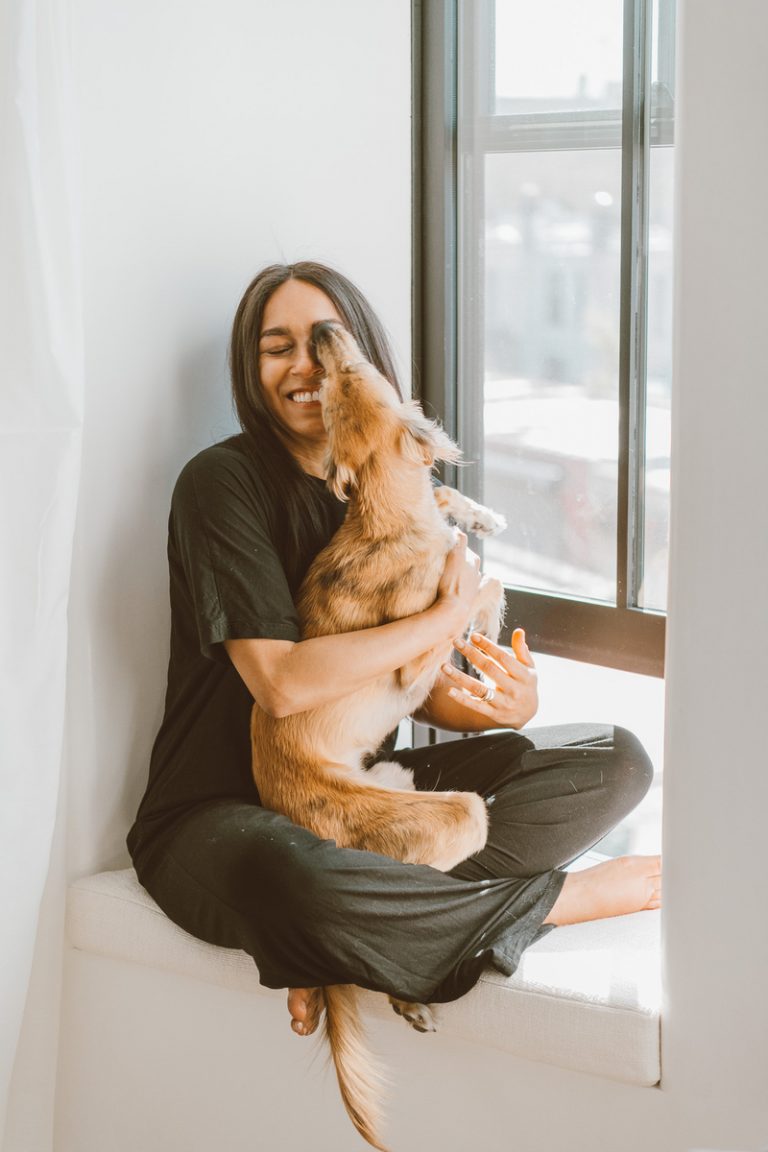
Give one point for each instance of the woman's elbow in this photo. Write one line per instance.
(277, 700)
(272, 703)
(278, 709)
(264, 675)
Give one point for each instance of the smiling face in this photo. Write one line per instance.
(289, 373)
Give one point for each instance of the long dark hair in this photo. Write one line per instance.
(303, 511)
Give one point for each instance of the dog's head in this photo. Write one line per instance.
(365, 417)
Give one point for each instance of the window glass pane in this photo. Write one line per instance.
(653, 588)
(557, 55)
(551, 356)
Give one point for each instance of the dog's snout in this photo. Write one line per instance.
(323, 332)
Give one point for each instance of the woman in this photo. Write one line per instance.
(247, 518)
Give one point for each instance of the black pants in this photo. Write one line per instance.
(310, 914)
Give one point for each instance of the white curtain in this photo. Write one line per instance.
(41, 393)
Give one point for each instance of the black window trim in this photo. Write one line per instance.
(621, 636)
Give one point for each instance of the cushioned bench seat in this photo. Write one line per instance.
(585, 997)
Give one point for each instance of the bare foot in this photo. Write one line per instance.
(613, 888)
(305, 1006)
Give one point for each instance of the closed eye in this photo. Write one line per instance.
(276, 351)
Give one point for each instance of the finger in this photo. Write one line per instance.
(481, 648)
(479, 659)
(521, 649)
(461, 680)
(509, 661)
(469, 700)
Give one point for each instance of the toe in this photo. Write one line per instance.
(305, 1006)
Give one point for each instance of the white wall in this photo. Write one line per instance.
(216, 137)
(716, 788)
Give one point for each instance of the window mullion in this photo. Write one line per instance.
(476, 94)
(435, 213)
(634, 234)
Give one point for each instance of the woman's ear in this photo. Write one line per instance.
(424, 441)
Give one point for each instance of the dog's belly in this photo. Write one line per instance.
(345, 732)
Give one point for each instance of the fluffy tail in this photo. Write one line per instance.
(360, 1082)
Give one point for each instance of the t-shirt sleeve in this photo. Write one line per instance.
(220, 529)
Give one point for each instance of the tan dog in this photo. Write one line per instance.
(384, 563)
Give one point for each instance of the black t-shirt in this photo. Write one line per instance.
(227, 581)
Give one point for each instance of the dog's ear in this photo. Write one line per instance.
(424, 441)
(340, 480)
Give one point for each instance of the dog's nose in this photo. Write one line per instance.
(322, 332)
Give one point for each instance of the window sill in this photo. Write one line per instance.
(585, 997)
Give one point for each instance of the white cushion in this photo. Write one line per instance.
(585, 997)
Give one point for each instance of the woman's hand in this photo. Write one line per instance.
(512, 698)
(459, 584)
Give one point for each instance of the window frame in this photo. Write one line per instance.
(621, 635)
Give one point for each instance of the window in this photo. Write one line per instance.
(543, 153)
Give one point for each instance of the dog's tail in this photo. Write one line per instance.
(360, 1081)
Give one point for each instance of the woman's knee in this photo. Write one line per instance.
(629, 771)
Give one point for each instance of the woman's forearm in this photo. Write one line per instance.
(286, 678)
(322, 669)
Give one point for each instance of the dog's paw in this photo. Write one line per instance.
(485, 522)
(419, 1016)
(468, 514)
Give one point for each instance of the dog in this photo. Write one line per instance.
(383, 563)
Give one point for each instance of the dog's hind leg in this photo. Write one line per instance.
(390, 774)
(419, 1016)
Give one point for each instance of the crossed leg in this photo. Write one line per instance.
(611, 888)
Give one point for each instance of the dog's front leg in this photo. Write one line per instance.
(468, 514)
(488, 608)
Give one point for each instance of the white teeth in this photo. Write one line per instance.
(305, 397)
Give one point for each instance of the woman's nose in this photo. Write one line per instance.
(305, 363)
